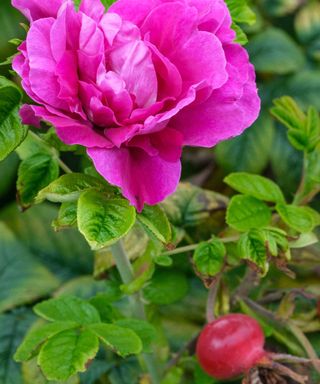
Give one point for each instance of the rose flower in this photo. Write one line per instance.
(136, 83)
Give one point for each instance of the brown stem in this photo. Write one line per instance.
(285, 358)
(285, 371)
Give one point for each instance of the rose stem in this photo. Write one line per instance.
(126, 273)
(211, 301)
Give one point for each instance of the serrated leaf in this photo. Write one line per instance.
(252, 247)
(274, 51)
(304, 240)
(190, 205)
(67, 353)
(104, 221)
(257, 186)
(22, 278)
(247, 212)
(67, 216)
(38, 335)
(121, 340)
(32, 374)
(13, 327)
(156, 221)
(49, 247)
(69, 188)
(209, 257)
(143, 329)
(241, 12)
(166, 287)
(241, 37)
(249, 152)
(298, 218)
(12, 131)
(68, 308)
(35, 173)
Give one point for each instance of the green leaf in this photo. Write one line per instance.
(22, 278)
(249, 152)
(8, 172)
(247, 212)
(104, 221)
(32, 375)
(12, 131)
(252, 247)
(274, 51)
(38, 335)
(307, 23)
(298, 218)
(67, 353)
(121, 340)
(286, 163)
(35, 173)
(190, 205)
(68, 308)
(143, 329)
(241, 12)
(13, 327)
(174, 376)
(69, 187)
(49, 247)
(241, 37)
(280, 8)
(304, 130)
(166, 287)
(304, 240)
(305, 88)
(256, 186)
(209, 257)
(67, 216)
(156, 221)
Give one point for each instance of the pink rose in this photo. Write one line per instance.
(136, 83)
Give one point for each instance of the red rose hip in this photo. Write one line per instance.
(230, 346)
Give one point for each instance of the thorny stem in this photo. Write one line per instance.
(62, 165)
(126, 272)
(192, 247)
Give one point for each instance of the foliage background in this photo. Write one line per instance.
(36, 262)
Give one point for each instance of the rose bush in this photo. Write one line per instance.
(136, 83)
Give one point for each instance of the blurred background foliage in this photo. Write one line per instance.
(36, 262)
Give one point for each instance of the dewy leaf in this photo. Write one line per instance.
(68, 308)
(156, 221)
(209, 257)
(104, 221)
(69, 187)
(274, 51)
(166, 287)
(123, 341)
(241, 12)
(12, 131)
(247, 212)
(67, 353)
(38, 335)
(35, 173)
(13, 327)
(252, 247)
(143, 329)
(298, 218)
(22, 278)
(257, 186)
